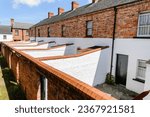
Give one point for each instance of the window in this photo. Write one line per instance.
(16, 32)
(27, 33)
(4, 36)
(89, 28)
(38, 32)
(48, 32)
(144, 25)
(62, 30)
(141, 69)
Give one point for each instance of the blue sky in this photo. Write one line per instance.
(31, 11)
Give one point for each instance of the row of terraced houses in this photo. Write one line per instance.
(119, 28)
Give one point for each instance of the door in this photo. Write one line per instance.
(121, 69)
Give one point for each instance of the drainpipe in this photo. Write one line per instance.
(113, 40)
(22, 35)
(35, 33)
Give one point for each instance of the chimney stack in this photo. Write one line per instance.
(74, 5)
(11, 21)
(60, 11)
(50, 14)
(94, 1)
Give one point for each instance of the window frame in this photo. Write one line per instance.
(39, 33)
(140, 67)
(16, 32)
(62, 30)
(87, 29)
(27, 33)
(138, 28)
(4, 37)
(48, 32)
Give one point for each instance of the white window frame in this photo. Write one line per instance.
(143, 14)
(4, 37)
(142, 68)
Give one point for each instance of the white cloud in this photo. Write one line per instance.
(30, 3)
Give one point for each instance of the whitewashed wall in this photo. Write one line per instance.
(91, 68)
(9, 37)
(147, 81)
(135, 49)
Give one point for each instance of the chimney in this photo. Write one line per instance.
(74, 5)
(50, 14)
(60, 11)
(94, 1)
(11, 21)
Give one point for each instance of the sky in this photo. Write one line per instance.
(32, 11)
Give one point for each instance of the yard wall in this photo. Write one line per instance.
(60, 85)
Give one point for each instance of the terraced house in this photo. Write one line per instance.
(20, 30)
(71, 53)
(125, 22)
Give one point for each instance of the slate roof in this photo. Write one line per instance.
(89, 8)
(5, 29)
(19, 25)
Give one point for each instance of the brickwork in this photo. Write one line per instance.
(60, 85)
(126, 25)
(21, 36)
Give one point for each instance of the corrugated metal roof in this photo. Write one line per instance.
(89, 8)
(5, 29)
(22, 25)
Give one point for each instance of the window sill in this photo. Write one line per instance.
(139, 80)
(142, 37)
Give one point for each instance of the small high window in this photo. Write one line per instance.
(63, 31)
(144, 25)
(141, 70)
(39, 33)
(16, 32)
(4, 36)
(89, 28)
(48, 32)
(27, 33)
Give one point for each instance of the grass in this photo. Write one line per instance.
(9, 88)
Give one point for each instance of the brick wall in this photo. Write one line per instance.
(126, 26)
(60, 85)
(22, 35)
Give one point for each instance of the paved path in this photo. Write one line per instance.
(3, 89)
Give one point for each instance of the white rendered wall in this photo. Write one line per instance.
(147, 81)
(9, 37)
(44, 53)
(135, 49)
(91, 68)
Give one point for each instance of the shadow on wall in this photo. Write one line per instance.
(103, 67)
(13, 89)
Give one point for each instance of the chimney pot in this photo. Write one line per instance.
(60, 11)
(94, 1)
(11, 21)
(50, 14)
(74, 5)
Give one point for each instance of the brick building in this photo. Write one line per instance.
(97, 20)
(20, 31)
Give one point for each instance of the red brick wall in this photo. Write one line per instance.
(127, 22)
(22, 35)
(60, 85)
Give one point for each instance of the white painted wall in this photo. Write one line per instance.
(44, 53)
(135, 49)
(9, 37)
(90, 68)
(147, 81)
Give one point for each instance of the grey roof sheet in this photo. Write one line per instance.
(89, 8)
(5, 29)
(22, 25)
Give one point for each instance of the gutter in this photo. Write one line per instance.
(113, 40)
